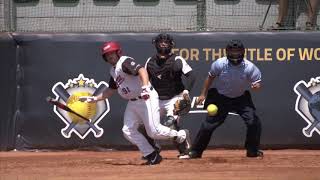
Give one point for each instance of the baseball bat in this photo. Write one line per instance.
(64, 107)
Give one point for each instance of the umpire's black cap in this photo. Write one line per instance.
(235, 44)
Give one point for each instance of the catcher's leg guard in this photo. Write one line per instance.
(172, 123)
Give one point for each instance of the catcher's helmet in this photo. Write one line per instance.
(163, 38)
(235, 52)
(111, 46)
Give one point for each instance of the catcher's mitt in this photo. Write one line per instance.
(182, 106)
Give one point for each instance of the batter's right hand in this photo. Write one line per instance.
(200, 100)
(88, 99)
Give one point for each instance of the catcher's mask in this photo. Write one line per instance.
(235, 52)
(110, 47)
(163, 43)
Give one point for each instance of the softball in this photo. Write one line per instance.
(87, 110)
(212, 110)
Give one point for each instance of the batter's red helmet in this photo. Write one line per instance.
(111, 46)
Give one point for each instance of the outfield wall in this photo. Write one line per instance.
(33, 64)
(7, 90)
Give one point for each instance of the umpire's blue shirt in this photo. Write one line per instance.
(232, 81)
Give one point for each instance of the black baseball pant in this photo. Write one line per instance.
(242, 105)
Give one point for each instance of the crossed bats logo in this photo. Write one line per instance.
(81, 84)
(308, 104)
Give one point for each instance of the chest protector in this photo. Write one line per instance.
(164, 77)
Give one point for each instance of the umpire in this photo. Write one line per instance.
(233, 76)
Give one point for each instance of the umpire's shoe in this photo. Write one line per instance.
(194, 154)
(254, 154)
(153, 158)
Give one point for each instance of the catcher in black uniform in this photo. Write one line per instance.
(165, 71)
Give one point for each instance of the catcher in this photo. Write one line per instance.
(165, 71)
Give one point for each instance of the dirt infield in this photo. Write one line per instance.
(126, 165)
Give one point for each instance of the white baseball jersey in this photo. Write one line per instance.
(128, 85)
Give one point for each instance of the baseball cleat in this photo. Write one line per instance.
(156, 147)
(184, 156)
(153, 158)
(257, 153)
(194, 155)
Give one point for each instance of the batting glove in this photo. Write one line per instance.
(88, 99)
(145, 92)
(185, 94)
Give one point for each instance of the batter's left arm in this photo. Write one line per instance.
(106, 94)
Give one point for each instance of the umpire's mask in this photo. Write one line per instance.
(235, 52)
(163, 43)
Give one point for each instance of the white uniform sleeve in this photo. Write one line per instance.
(146, 65)
(185, 66)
